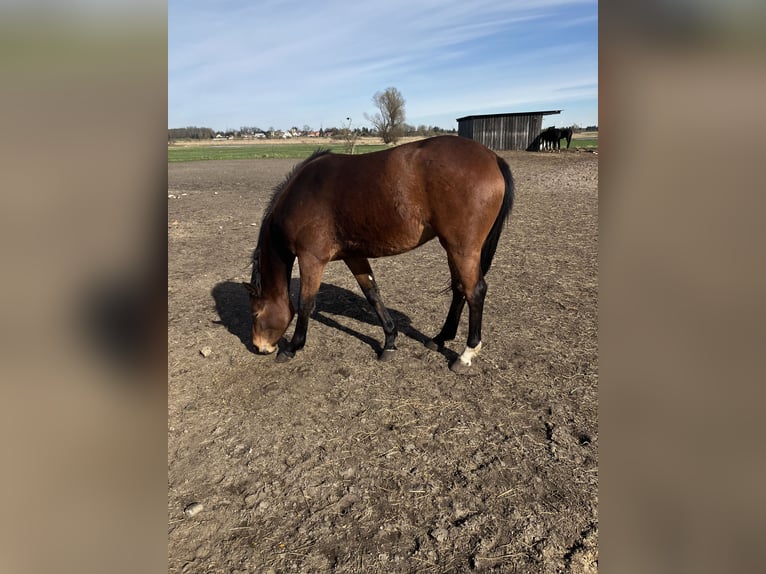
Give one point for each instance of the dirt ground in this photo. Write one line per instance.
(335, 462)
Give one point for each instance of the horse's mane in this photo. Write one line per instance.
(275, 195)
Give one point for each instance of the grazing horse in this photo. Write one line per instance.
(354, 207)
(551, 137)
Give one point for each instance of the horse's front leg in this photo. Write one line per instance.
(311, 278)
(363, 274)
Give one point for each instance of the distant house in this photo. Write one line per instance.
(512, 131)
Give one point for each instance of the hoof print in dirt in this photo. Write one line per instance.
(387, 355)
(433, 345)
(460, 368)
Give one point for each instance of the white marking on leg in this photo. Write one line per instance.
(469, 354)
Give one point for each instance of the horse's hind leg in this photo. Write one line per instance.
(449, 330)
(468, 286)
(363, 274)
(475, 301)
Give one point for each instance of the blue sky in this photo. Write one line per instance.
(284, 63)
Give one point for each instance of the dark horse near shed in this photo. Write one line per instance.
(551, 137)
(385, 203)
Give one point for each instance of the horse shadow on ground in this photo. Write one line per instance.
(232, 303)
(535, 145)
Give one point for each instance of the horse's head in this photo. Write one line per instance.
(271, 318)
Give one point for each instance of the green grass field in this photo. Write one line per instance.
(261, 151)
(583, 143)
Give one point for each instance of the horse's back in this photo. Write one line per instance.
(434, 172)
(389, 202)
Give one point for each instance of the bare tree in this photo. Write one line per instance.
(389, 121)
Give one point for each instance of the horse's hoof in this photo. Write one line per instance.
(284, 356)
(433, 345)
(460, 368)
(387, 355)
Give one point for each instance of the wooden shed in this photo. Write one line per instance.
(514, 131)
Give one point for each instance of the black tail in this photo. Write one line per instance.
(490, 244)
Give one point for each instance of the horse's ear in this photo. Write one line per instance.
(251, 289)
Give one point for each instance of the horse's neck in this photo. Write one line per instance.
(275, 271)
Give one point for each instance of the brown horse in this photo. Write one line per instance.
(357, 207)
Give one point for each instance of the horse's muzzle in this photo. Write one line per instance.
(264, 349)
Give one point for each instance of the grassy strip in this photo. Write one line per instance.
(289, 151)
(281, 151)
(584, 143)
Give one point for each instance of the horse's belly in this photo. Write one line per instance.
(393, 240)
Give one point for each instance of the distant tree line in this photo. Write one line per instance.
(407, 130)
(246, 132)
(423, 130)
(191, 133)
(576, 128)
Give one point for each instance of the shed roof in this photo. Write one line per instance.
(542, 113)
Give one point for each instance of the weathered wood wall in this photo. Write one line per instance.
(503, 131)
